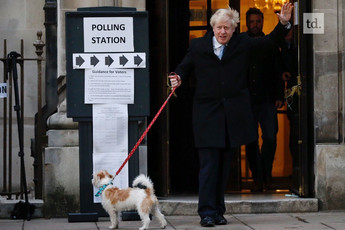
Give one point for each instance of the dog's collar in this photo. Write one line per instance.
(101, 189)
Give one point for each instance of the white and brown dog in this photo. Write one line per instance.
(140, 197)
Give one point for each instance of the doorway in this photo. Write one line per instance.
(188, 20)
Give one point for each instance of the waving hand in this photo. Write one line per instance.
(285, 13)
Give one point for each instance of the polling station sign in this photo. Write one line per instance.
(108, 34)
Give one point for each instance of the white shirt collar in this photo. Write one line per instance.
(216, 44)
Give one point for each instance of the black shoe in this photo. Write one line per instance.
(207, 222)
(268, 183)
(257, 188)
(220, 220)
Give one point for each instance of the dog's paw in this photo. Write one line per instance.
(164, 224)
(113, 226)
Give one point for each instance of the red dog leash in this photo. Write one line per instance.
(145, 132)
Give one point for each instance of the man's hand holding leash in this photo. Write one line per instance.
(175, 80)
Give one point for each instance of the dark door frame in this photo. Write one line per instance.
(305, 184)
(158, 137)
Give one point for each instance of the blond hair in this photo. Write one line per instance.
(226, 14)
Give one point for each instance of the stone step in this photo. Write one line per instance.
(242, 204)
(188, 205)
(7, 206)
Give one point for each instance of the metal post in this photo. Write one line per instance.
(21, 64)
(4, 138)
(39, 44)
(10, 116)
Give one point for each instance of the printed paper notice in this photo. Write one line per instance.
(110, 128)
(109, 86)
(110, 141)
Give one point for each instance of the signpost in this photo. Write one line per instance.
(106, 62)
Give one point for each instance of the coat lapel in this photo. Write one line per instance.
(207, 45)
(230, 48)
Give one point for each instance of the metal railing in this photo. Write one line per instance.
(7, 118)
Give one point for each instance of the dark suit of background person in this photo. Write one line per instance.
(222, 117)
(267, 94)
(289, 55)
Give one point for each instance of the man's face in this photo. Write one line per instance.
(255, 24)
(223, 31)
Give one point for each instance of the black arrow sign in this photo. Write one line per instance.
(123, 60)
(137, 60)
(94, 60)
(79, 60)
(108, 60)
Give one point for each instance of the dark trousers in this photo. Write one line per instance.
(213, 177)
(261, 161)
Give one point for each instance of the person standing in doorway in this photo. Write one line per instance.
(267, 95)
(289, 53)
(222, 117)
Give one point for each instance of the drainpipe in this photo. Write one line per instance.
(51, 95)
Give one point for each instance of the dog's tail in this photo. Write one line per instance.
(143, 182)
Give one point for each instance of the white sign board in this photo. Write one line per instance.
(313, 23)
(3, 90)
(109, 86)
(108, 34)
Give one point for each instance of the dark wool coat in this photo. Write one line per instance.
(222, 107)
(265, 82)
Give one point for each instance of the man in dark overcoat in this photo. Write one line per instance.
(267, 95)
(222, 117)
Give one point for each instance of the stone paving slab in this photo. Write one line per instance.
(274, 221)
(104, 224)
(277, 222)
(57, 224)
(11, 224)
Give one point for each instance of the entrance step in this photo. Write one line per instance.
(7, 206)
(241, 204)
(188, 205)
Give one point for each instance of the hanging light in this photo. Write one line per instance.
(269, 4)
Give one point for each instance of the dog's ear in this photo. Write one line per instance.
(107, 174)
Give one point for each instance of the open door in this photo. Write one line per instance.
(293, 159)
(172, 158)
(303, 158)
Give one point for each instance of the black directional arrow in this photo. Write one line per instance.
(94, 60)
(79, 60)
(108, 60)
(123, 60)
(137, 60)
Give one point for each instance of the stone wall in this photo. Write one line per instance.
(330, 176)
(329, 106)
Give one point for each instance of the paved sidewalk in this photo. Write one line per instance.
(276, 221)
